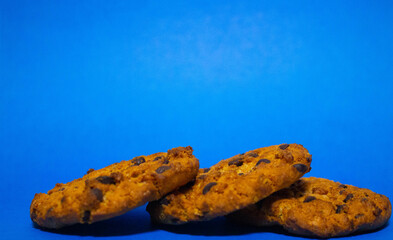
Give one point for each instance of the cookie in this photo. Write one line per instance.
(232, 184)
(318, 207)
(114, 190)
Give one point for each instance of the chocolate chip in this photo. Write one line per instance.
(205, 170)
(166, 161)
(309, 199)
(86, 216)
(359, 215)
(165, 201)
(264, 160)
(106, 180)
(158, 158)
(90, 170)
(365, 194)
(341, 192)
(202, 177)
(117, 176)
(283, 146)
(343, 186)
(241, 174)
(308, 159)
(339, 208)
(237, 162)
(138, 161)
(98, 194)
(61, 189)
(162, 169)
(348, 197)
(377, 212)
(253, 154)
(208, 186)
(301, 167)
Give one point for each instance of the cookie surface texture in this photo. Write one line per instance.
(232, 184)
(319, 207)
(114, 190)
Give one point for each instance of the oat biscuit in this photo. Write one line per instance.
(319, 207)
(232, 184)
(114, 190)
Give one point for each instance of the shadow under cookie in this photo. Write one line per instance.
(223, 227)
(218, 227)
(138, 221)
(134, 222)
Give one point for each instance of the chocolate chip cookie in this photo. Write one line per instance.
(319, 207)
(114, 190)
(232, 184)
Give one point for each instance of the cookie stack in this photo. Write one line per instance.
(262, 187)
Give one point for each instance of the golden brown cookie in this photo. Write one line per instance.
(232, 184)
(114, 190)
(319, 207)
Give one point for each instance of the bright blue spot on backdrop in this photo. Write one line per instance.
(86, 84)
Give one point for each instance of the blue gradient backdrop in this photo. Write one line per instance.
(87, 83)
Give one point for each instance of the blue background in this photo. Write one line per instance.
(88, 83)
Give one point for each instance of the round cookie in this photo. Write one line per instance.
(232, 184)
(114, 190)
(319, 207)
